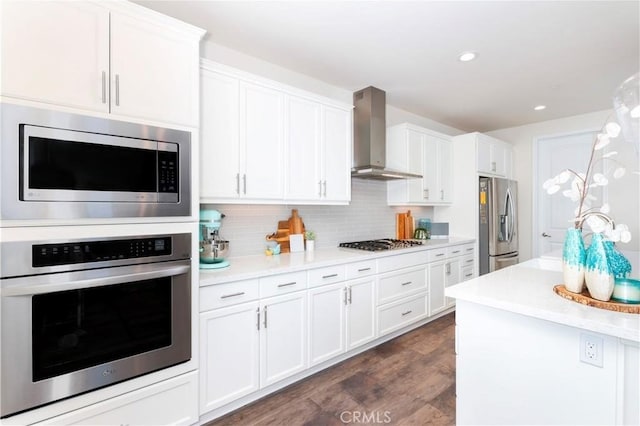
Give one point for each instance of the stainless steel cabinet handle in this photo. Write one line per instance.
(346, 299)
(226, 296)
(349, 295)
(324, 277)
(455, 251)
(258, 318)
(406, 313)
(244, 184)
(319, 188)
(426, 194)
(287, 284)
(469, 261)
(407, 283)
(364, 269)
(324, 192)
(117, 89)
(104, 87)
(265, 317)
(544, 234)
(439, 254)
(448, 269)
(469, 249)
(238, 183)
(493, 166)
(468, 275)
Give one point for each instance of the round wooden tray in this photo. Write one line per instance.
(585, 299)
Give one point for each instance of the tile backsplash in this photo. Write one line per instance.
(366, 217)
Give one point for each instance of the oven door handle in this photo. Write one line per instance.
(28, 286)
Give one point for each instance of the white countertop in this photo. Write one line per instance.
(527, 289)
(248, 267)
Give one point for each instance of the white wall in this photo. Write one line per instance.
(367, 217)
(623, 194)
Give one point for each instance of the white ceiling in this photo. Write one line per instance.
(568, 55)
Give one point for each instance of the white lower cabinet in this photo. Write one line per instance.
(341, 317)
(260, 334)
(248, 346)
(283, 337)
(229, 354)
(171, 402)
(456, 266)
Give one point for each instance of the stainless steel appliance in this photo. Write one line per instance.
(78, 315)
(370, 137)
(213, 249)
(381, 245)
(57, 165)
(498, 224)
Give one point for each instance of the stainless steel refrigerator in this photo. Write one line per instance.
(498, 224)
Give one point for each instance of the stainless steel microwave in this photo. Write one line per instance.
(57, 165)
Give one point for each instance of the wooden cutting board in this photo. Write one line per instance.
(585, 299)
(401, 221)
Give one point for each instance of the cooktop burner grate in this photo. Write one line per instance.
(380, 245)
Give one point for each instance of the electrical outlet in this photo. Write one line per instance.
(591, 349)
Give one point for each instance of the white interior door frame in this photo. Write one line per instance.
(538, 192)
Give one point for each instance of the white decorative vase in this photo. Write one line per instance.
(310, 245)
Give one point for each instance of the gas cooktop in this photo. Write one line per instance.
(380, 245)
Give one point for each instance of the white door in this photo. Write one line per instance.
(554, 212)
(283, 339)
(326, 322)
(229, 354)
(56, 52)
(361, 312)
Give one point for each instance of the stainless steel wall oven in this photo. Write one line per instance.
(57, 165)
(82, 314)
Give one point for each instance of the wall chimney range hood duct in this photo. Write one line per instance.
(369, 137)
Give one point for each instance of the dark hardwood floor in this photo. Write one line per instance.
(409, 380)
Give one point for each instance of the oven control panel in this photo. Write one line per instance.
(99, 251)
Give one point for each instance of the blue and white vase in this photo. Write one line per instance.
(619, 264)
(573, 260)
(598, 274)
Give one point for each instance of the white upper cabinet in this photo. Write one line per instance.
(154, 71)
(56, 52)
(493, 156)
(421, 151)
(280, 145)
(116, 58)
(318, 152)
(304, 178)
(261, 142)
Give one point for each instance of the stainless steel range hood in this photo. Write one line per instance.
(369, 137)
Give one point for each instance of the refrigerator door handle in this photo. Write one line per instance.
(510, 216)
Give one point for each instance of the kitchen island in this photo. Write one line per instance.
(525, 355)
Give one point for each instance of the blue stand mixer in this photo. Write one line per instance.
(213, 249)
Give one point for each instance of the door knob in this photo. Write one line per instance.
(544, 234)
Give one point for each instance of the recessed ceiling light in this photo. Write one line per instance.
(539, 107)
(467, 56)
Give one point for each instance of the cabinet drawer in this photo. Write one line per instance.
(468, 249)
(400, 261)
(437, 254)
(399, 314)
(466, 273)
(397, 285)
(282, 284)
(217, 296)
(361, 269)
(328, 275)
(455, 251)
(466, 261)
